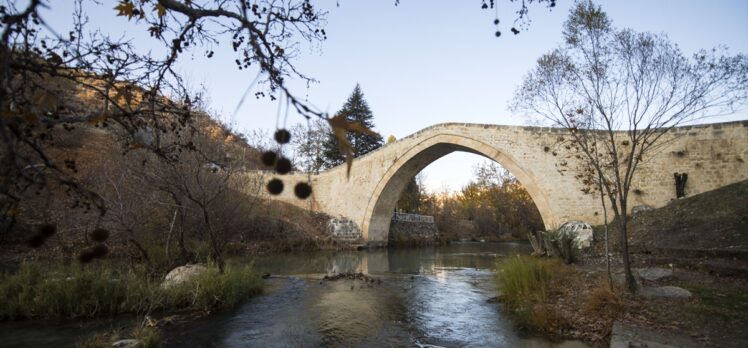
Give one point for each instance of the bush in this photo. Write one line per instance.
(211, 289)
(559, 243)
(525, 283)
(603, 299)
(51, 290)
(525, 279)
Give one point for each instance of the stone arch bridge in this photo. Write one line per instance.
(713, 155)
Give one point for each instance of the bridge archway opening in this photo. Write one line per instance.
(382, 204)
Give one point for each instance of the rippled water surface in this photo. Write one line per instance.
(433, 296)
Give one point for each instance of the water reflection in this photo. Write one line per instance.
(435, 296)
(383, 261)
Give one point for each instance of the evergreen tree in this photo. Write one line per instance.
(354, 110)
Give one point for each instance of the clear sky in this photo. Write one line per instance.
(431, 61)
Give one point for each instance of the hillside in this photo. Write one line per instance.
(714, 220)
(160, 185)
(708, 231)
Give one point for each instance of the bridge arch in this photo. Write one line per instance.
(367, 196)
(378, 214)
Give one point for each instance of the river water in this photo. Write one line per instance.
(423, 296)
(427, 296)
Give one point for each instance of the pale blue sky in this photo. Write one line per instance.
(432, 61)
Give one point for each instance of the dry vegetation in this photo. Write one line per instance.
(43, 290)
(494, 206)
(159, 211)
(575, 301)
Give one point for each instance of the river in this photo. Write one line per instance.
(427, 296)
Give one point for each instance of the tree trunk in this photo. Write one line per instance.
(216, 253)
(630, 281)
(607, 249)
(182, 247)
(168, 236)
(143, 252)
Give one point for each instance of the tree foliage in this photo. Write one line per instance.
(494, 203)
(603, 80)
(410, 198)
(498, 204)
(355, 112)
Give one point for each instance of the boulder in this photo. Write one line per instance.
(665, 292)
(655, 273)
(181, 274)
(127, 343)
(582, 231)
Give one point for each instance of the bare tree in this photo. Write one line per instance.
(53, 81)
(201, 184)
(618, 92)
(308, 145)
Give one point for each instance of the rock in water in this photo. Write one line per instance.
(655, 273)
(182, 274)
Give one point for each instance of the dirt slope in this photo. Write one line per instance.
(714, 220)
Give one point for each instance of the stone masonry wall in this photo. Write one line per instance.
(713, 155)
(344, 230)
(412, 233)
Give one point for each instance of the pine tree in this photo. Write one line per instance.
(354, 110)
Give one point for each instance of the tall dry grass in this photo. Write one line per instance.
(525, 283)
(55, 290)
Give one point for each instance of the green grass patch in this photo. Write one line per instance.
(57, 290)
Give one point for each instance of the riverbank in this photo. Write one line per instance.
(578, 303)
(56, 290)
(697, 247)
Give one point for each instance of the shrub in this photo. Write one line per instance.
(54, 290)
(149, 336)
(561, 243)
(49, 290)
(525, 283)
(524, 279)
(602, 299)
(211, 289)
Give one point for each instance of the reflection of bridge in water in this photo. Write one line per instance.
(386, 261)
(713, 155)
